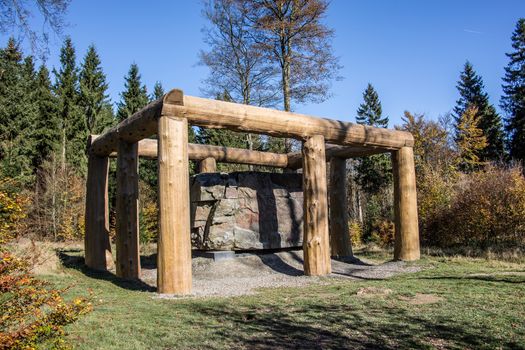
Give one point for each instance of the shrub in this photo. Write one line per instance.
(356, 233)
(484, 209)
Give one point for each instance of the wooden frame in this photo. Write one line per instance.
(323, 140)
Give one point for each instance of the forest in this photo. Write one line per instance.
(469, 162)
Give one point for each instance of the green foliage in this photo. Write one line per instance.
(158, 91)
(93, 97)
(373, 172)
(472, 95)
(135, 95)
(17, 114)
(513, 100)
(73, 123)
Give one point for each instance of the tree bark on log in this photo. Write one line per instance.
(97, 248)
(341, 245)
(316, 245)
(406, 245)
(174, 274)
(127, 211)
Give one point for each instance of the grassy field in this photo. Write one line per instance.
(454, 303)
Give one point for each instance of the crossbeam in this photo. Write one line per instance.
(238, 117)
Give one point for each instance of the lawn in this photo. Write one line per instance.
(453, 303)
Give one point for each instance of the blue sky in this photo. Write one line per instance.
(411, 51)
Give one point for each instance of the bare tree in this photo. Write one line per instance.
(293, 38)
(16, 17)
(236, 61)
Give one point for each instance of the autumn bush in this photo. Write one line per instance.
(483, 209)
(32, 313)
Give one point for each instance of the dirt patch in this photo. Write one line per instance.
(422, 299)
(373, 291)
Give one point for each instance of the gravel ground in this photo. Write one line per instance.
(244, 274)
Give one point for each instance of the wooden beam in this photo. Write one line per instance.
(245, 118)
(208, 165)
(174, 245)
(148, 149)
(127, 211)
(295, 158)
(340, 242)
(316, 245)
(406, 246)
(97, 248)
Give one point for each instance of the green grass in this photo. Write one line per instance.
(482, 307)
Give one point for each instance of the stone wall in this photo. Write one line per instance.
(246, 211)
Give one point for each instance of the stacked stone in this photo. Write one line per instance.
(246, 211)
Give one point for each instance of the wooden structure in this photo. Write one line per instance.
(325, 216)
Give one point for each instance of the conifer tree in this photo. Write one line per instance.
(16, 113)
(373, 172)
(135, 95)
(47, 133)
(513, 100)
(370, 111)
(470, 140)
(93, 97)
(471, 90)
(73, 125)
(158, 91)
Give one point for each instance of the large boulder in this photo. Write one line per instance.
(246, 211)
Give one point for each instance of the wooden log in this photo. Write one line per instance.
(295, 158)
(316, 244)
(174, 245)
(406, 245)
(340, 243)
(244, 118)
(239, 117)
(97, 248)
(208, 165)
(127, 211)
(148, 149)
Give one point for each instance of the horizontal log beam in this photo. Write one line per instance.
(244, 118)
(148, 149)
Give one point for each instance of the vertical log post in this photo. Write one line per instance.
(97, 248)
(340, 242)
(174, 245)
(127, 226)
(316, 244)
(208, 165)
(406, 246)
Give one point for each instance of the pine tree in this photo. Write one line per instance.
(47, 133)
(472, 94)
(93, 97)
(135, 95)
(73, 125)
(470, 140)
(16, 113)
(370, 111)
(373, 172)
(513, 100)
(158, 91)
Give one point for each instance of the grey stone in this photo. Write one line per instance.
(246, 211)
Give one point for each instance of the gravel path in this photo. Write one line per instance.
(245, 274)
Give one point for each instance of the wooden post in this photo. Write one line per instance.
(316, 244)
(340, 242)
(405, 205)
(128, 256)
(174, 245)
(208, 165)
(97, 248)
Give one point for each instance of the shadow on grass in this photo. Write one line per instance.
(71, 259)
(513, 279)
(318, 325)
